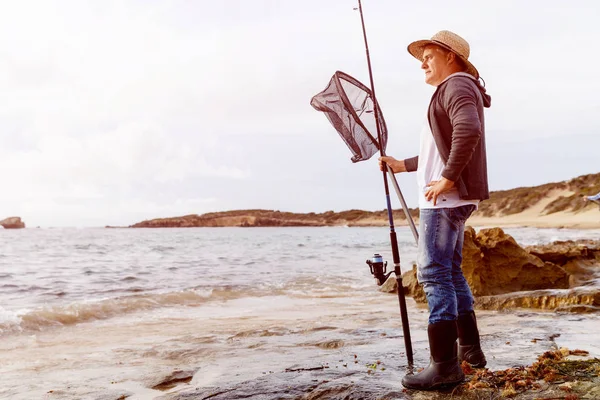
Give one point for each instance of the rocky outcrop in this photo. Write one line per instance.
(579, 300)
(494, 263)
(559, 276)
(580, 259)
(563, 252)
(12, 223)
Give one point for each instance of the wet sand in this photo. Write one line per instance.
(269, 348)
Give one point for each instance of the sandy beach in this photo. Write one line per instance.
(535, 216)
(587, 218)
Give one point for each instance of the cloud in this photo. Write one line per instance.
(117, 110)
(128, 162)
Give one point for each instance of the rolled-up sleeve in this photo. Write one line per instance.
(411, 164)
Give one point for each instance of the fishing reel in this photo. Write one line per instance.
(378, 269)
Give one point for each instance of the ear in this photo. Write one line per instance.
(450, 57)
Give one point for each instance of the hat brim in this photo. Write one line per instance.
(417, 48)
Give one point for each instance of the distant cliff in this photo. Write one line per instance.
(544, 203)
(249, 218)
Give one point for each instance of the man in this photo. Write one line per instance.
(452, 178)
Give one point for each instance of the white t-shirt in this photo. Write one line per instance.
(430, 169)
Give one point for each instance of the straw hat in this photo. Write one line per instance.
(450, 41)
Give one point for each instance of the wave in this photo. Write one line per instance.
(322, 286)
(162, 249)
(74, 313)
(326, 344)
(139, 300)
(275, 331)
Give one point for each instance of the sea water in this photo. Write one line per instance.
(86, 311)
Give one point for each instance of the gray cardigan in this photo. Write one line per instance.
(457, 123)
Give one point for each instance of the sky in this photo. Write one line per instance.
(117, 111)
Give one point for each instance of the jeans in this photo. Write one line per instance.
(441, 237)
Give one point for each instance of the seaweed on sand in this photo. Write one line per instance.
(551, 368)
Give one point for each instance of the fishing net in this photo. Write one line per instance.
(349, 106)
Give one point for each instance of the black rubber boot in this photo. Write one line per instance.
(469, 347)
(444, 369)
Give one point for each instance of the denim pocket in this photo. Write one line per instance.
(460, 214)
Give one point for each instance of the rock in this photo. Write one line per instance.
(542, 380)
(12, 223)
(581, 273)
(390, 285)
(561, 252)
(493, 263)
(169, 380)
(307, 384)
(504, 275)
(412, 287)
(410, 283)
(580, 258)
(579, 300)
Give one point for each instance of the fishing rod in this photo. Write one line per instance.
(376, 264)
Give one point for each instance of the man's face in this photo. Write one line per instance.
(435, 64)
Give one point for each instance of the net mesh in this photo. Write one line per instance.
(349, 106)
